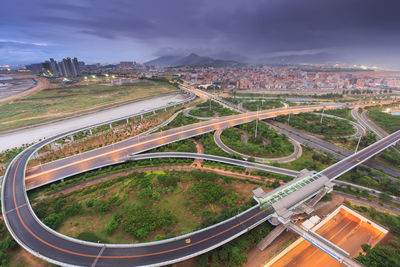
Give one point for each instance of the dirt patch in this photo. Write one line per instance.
(24, 258)
(200, 150)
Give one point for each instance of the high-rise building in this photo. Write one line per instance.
(70, 71)
(75, 67)
(54, 67)
(64, 68)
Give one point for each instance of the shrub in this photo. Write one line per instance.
(53, 221)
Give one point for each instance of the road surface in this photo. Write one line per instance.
(16, 138)
(335, 151)
(43, 242)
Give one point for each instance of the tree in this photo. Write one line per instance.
(237, 258)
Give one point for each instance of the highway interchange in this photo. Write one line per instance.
(43, 242)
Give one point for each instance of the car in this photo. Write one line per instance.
(187, 241)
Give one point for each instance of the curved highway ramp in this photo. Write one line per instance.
(43, 242)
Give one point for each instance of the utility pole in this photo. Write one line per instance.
(358, 143)
(210, 104)
(288, 121)
(255, 135)
(322, 115)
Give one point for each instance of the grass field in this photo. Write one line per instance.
(57, 103)
(145, 206)
(310, 159)
(388, 122)
(268, 142)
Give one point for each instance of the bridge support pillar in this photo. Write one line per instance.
(71, 137)
(141, 116)
(90, 131)
(62, 180)
(127, 120)
(110, 125)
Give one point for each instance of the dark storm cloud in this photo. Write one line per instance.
(250, 28)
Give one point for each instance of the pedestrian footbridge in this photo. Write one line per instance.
(290, 199)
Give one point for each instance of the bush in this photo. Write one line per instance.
(114, 223)
(101, 205)
(139, 220)
(310, 122)
(53, 221)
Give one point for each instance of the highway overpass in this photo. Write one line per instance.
(54, 247)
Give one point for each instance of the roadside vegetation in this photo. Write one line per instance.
(55, 103)
(262, 104)
(388, 122)
(216, 110)
(310, 160)
(210, 147)
(186, 145)
(267, 143)
(310, 122)
(233, 253)
(180, 120)
(391, 157)
(7, 245)
(253, 103)
(372, 179)
(7, 155)
(341, 112)
(146, 206)
(101, 136)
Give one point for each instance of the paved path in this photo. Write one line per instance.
(19, 137)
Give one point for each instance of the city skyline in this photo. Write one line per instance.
(347, 32)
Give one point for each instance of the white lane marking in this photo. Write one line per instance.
(16, 208)
(98, 256)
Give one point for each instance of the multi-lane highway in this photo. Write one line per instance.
(336, 151)
(43, 242)
(342, 166)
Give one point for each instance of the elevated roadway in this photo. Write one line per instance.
(43, 242)
(37, 180)
(336, 151)
(118, 152)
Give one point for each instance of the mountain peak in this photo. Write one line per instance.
(192, 59)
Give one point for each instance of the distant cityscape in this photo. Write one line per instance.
(204, 72)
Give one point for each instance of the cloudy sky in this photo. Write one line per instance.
(347, 31)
